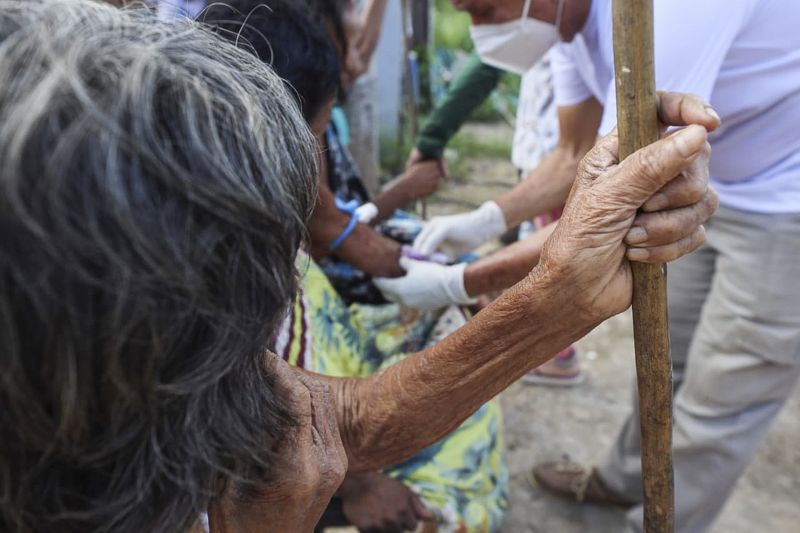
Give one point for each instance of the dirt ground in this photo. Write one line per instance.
(546, 423)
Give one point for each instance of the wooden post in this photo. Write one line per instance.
(638, 126)
(408, 85)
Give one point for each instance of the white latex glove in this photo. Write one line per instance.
(458, 234)
(426, 285)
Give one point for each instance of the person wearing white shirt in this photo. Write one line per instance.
(733, 305)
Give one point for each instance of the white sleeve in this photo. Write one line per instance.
(568, 86)
(692, 39)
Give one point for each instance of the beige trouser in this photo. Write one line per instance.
(734, 310)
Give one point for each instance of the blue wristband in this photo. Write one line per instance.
(346, 233)
(350, 208)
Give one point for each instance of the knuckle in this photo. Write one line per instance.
(699, 237)
(712, 199)
(688, 100)
(687, 188)
(697, 177)
(706, 151)
(599, 159)
(667, 229)
(674, 228)
(648, 164)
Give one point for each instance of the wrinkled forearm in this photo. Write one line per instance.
(388, 417)
(506, 266)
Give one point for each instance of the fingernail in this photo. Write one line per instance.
(713, 114)
(637, 254)
(690, 140)
(636, 235)
(657, 202)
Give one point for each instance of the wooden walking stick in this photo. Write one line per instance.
(638, 126)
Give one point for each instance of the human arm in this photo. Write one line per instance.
(364, 248)
(544, 189)
(583, 264)
(430, 286)
(472, 86)
(510, 264)
(364, 424)
(506, 266)
(418, 181)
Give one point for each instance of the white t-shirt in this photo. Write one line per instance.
(742, 56)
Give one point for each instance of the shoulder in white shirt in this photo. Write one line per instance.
(743, 57)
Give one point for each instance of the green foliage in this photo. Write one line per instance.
(451, 27)
(467, 145)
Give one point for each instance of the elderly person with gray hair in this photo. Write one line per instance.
(154, 185)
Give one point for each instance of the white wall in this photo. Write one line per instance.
(387, 65)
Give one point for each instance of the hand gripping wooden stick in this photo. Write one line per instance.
(637, 119)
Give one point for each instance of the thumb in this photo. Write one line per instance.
(429, 241)
(407, 263)
(421, 510)
(443, 168)
(647, 170)
(392, 284)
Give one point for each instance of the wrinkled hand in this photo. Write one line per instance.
(377, 503)
(426, 285)
(458, 234)
(600, 230)
(312, 466)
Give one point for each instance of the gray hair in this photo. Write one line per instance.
(154, 186)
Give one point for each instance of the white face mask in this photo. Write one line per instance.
(517, 45)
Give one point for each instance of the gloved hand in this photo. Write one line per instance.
(426, 285)
(458, 234)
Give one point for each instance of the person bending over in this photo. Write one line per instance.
(463, 477)
(155, 181)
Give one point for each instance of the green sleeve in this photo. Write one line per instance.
(468, 91)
